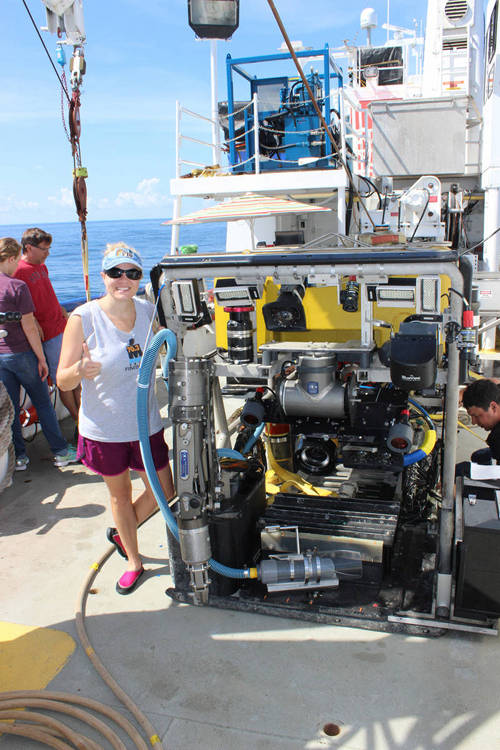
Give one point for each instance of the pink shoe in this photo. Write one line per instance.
(128, 581)
(113, 536)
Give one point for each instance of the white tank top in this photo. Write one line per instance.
(108, 406)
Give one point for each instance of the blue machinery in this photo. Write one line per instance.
(288, 126)
(315, 500)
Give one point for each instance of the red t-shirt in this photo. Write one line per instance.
(14, 297)
(47, 308)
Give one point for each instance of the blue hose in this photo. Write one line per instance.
(143, 384)
(418, 455)
(413, 458)
(253, 439)
(230, 453)
(423, 411)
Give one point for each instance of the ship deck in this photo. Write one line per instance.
(209, 678)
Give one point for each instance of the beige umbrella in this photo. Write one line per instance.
(249, 206)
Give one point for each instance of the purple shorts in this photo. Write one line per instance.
(111, 459)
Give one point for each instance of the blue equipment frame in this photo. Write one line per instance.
(329, 74)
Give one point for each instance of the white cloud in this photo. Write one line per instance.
(65, 197)
(12, 204)
(145, 195)
(97, 203)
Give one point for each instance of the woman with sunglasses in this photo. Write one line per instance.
(102, 348)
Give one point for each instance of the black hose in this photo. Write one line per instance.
(385, 207)
(348, 214)
(374, 189)
(421, 215)
(466, 269)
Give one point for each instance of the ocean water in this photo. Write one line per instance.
(148, 236)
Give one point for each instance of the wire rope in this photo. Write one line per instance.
(46, 50)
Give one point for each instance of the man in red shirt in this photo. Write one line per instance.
(51, 317)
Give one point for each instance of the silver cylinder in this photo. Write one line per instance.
(189, 386)
(194, 540)
(300, 570)
(315, 393)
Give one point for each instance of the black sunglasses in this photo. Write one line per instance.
(134, 274)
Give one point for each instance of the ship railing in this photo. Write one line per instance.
(243, 137)
(218, 151)
(334, 239)
(358, 128)
(245, 147)
(181, 136)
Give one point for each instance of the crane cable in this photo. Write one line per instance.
(46, 50)
(318, 111)
(77, 67)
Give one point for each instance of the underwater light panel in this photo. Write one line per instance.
(186, 299)
(235, 296)
(395, 296)
(429, 295)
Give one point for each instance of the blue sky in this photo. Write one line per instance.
(141, 57)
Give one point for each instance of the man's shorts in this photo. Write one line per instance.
(111, 459)
(52, 349)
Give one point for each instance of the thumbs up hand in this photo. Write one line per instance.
(87, 367)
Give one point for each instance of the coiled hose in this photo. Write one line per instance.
(148, 363)
(53, 732)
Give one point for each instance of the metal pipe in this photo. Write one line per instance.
(316, 107)
(446, 528)
(215, 106)
(341, 210)
(223, 439)
(343, 145)
(490, 324)
(256, 133)
(174, 237)
(243, 268)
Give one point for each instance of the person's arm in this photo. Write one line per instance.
(40, 330)
(75, 362)
(29, 326)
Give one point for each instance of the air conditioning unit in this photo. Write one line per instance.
(457, 13)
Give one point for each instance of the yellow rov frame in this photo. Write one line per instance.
(390, 285)
(328, 321)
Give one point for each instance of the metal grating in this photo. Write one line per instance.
(456, 10)
(449, 44)
(363, 517)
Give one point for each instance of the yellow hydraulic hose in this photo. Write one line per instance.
(429, 442)
(67, 703)
(33, 733)
(142, 720)
(471, 431)
(288, 478)
(439, 417)
(52, 726)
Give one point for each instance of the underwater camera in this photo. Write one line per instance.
(287, 312)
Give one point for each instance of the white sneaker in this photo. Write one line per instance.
(22, 463)
(63, 459)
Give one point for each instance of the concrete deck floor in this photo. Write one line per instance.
(220, 680)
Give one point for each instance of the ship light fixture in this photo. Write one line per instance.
(214, 19)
